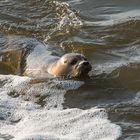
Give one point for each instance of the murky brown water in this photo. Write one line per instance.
(107, 32)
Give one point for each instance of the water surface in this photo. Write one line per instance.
(107, 32)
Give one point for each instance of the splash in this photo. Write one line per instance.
(25, 120)
(48, 93)
(67, 18)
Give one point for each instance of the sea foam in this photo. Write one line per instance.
(26, 120)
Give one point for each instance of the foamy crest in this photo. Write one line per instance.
(67, 124)
(48, 93)
(68, 19)
(25, 120)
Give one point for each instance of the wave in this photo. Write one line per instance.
(115, 18)
(45, 18)
(26, 120)
(68, 20)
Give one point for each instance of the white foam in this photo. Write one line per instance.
(52, 90)
(27, 120)
(68, 19)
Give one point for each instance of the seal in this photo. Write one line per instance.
(40, 60)
(69, 65)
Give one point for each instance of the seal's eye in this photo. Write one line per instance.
(65, 61)
(73, 62)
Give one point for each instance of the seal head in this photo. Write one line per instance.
(70, 65)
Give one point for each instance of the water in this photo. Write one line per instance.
(108, 33)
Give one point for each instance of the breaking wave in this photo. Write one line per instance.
(22, 119)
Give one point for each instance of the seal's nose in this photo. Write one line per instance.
(85, 63)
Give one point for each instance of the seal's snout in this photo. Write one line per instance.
(89, 67)
(85, 65)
